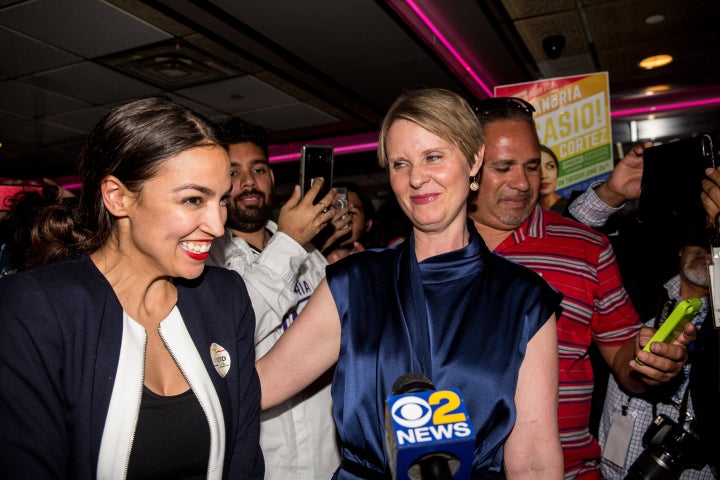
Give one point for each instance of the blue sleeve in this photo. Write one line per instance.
(548, 301)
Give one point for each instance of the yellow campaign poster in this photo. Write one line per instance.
(572, 115)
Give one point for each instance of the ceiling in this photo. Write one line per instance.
(326, 70)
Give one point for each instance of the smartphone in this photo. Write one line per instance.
(671, 328)
(7, 192)
(672, 180)
(341, 200)
(316, 161)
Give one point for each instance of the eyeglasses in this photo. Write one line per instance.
(490, 105)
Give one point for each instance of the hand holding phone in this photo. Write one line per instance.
(316, 161)
(671, 328)
(672, 180)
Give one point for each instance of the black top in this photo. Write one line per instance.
(172, 438)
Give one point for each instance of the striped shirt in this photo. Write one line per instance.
(579, 262)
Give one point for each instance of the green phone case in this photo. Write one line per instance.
(671, 328)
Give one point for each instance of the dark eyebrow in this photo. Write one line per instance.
(252, 162)
(504, 162)
(195, 186)
(262, 162)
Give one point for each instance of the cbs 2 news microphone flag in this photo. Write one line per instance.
(433, 423)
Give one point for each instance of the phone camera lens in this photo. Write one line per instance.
(340, 203)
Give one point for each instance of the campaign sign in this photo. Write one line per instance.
(434, 421)
(572, 116)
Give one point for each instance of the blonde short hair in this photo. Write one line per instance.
(440, 112)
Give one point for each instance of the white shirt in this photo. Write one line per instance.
(297, 437)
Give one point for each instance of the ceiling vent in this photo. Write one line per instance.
(171, 65)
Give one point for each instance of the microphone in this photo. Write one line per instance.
(428, 435)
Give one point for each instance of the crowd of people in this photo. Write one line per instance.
(163, 325)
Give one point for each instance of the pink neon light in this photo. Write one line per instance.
(662, 108)
(344, 150)
(363, 147)
(284, 158)
(449, 47)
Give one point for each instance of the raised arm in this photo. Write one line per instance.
(625, 180)
(304, 352)
(599, 202)
(271, 277)
(532, 451)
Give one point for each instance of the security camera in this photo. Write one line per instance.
(553, 45)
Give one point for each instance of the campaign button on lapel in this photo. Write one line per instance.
(220, 358)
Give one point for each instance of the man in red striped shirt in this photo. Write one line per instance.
(577, 261)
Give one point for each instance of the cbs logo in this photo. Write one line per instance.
(441, 406)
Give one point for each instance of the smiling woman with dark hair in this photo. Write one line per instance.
(549, 199)
(132, 359)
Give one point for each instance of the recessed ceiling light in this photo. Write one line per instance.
(654, 19)
(655, 61)
(656, 89)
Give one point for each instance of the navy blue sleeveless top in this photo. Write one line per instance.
(462, 318)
